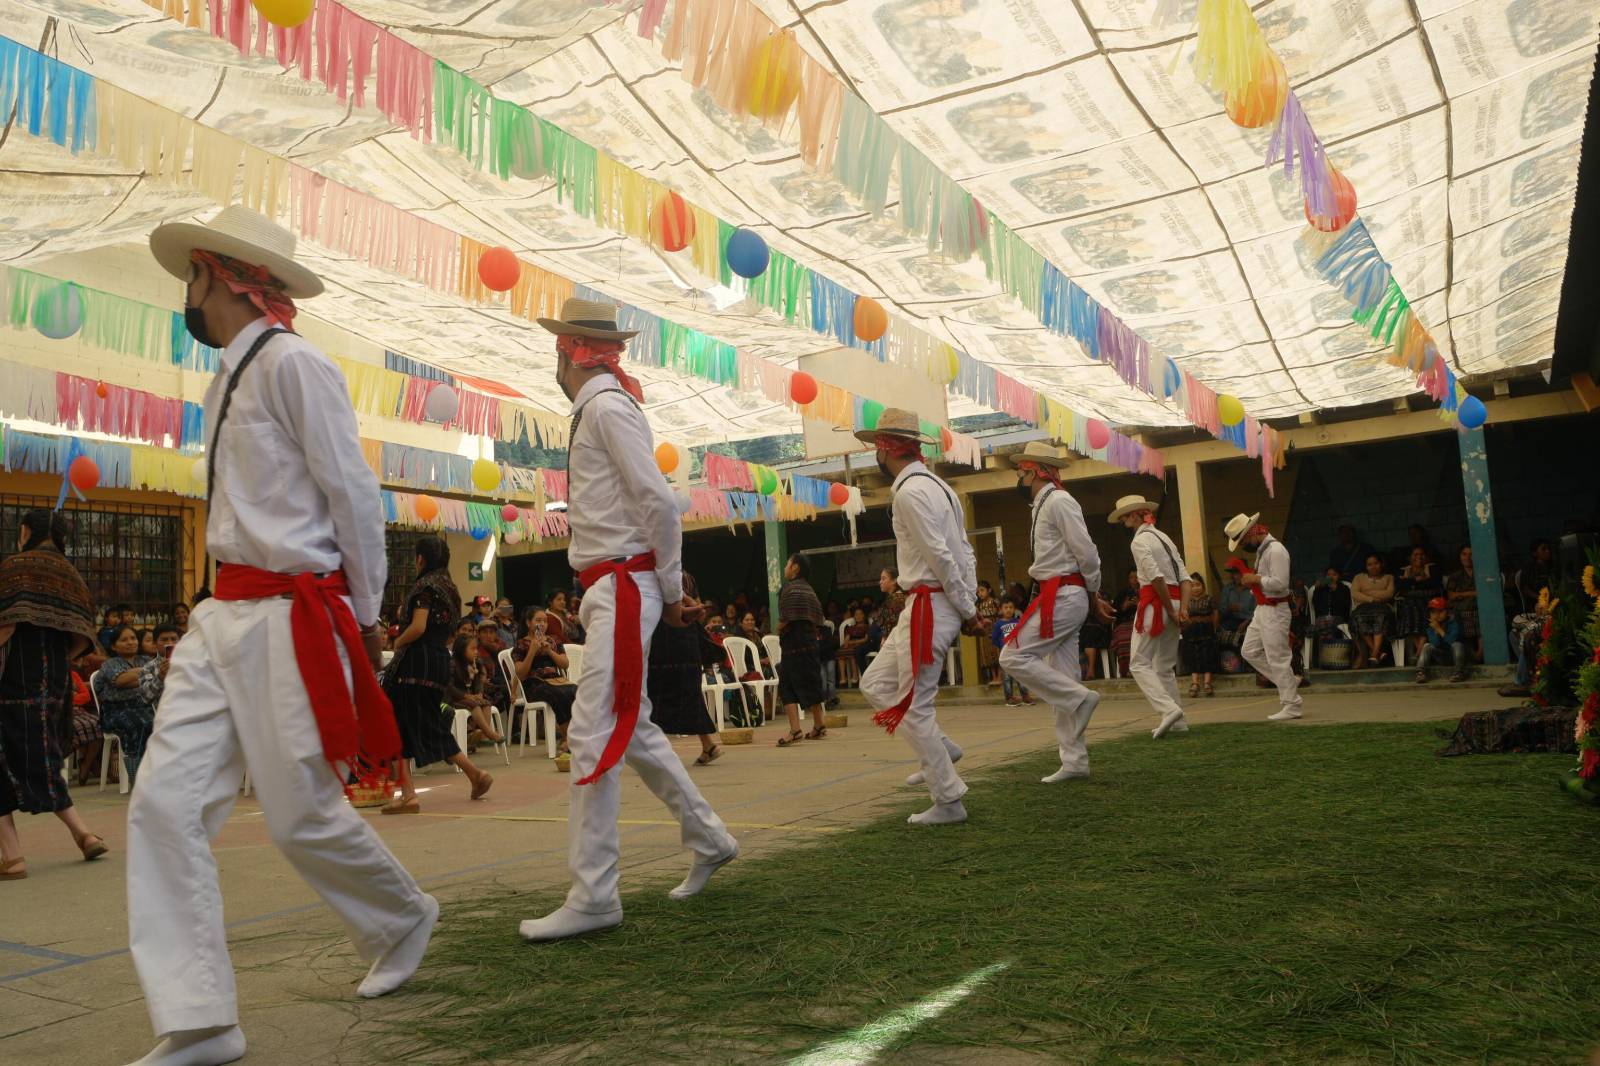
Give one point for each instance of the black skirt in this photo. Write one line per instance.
(678, 656)
(800, 669)
(35, 721)
(416, 686)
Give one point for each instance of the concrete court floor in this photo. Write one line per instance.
(68, 994)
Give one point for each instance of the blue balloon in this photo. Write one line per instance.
(747, 254)
(58, 312)
(1472, 413)
(1171, 379)
(479, 533)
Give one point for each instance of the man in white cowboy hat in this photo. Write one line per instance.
(262, 679)
(1163, 591)
(1266, 641)
(939, 573)
(627, 541)
(1042, 651)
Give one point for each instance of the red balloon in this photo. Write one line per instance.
(84, 473)
(101, 391)
(671, 222)
(1344, 199)
(802, 388)
(839, 494)
(509, 513)
(1099, 434)
(499, 269)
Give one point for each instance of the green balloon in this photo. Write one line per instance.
(766, 480)
(871, 411)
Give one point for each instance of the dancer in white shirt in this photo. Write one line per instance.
(627, 541)
(939, 573)
(1266, 641)
(262, 679)
(1163, 591)
(1042, 652)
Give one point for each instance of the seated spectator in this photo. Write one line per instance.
(1015, 692)
(153, 675)
(180, 617)
(147, 642)
(1349, 553)
(1372, 612)
(556, 616)
(1538, 575)
(1443, 638)
(86, 735)
(505, 619)
(124, 712)
(1526, 635)
(468, 678)
(1126, 606)
(1418, 585)
(540, 660)
(1400, 558)
(1235, 610)
(1198, 647)
(853, 637)
(489, 647)
(1330, 606)
(1461, 589)
(466, 628)
(108, 627)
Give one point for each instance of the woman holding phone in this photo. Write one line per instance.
(539, 662)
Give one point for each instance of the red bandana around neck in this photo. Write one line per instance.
(586, 353)
(256, 282)
(895, 447)
(1049, 473)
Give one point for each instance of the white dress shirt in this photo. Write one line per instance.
(1156, 556)
(1272, 563)
(618, 504)
(931, 546)
(1061, 541)
(294, 492)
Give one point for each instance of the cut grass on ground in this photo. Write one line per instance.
(1239, 894)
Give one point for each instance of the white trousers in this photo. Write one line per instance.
(233, 698)
(1050, 670)
(1266, 647)
(885, 682)
(1153, 662)
(593, 848)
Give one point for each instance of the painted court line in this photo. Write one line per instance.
(861, 1047)
(637, 821)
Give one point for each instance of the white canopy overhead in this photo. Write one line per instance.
(1080, 125)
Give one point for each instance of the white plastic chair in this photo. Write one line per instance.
(107, 742)
(747, 660)
(574, 654)
(714, 689)
(774, 649)
(519, 700)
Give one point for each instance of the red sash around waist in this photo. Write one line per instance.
(361, 733)
(1045, 605)
(921, 608)
(627, 655)
(1147, 598)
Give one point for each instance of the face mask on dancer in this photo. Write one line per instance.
(195, 320)
(1023, 488)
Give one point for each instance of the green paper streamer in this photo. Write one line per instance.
(113, 323)
(785, 287)
(460, 107)
(571, 164)
(866, 153)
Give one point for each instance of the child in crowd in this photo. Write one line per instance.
(468, 674)
(1442, 637)
(1015, 692)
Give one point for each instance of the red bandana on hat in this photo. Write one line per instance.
(586, 353)
(256, 282)
(1049, 473)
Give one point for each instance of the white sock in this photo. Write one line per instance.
(920, 778)
(395, 966)
(1064, 774)
(197, 1047)
(700, 873)
(941, 814)
(564, 922)
(1168, 721)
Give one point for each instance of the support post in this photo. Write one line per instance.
(1485, 547)
(777, 536)
(1191, 502)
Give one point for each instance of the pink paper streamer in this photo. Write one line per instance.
(555, 484)
(725, 473)
(650, 17)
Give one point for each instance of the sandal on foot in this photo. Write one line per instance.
(480, 787)
(14, 870)
(707, 757)
(91, 846)
(817, 733)
(401, 806)
(1208, 690)
(1194, 689)
(793, 738)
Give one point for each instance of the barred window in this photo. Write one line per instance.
(401, 545)
(128, 553)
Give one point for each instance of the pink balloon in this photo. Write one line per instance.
(509, 513)
(1099, 434)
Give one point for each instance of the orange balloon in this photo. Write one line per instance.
(774, 77)
(101, 391)
(1262, 101)
(667, 457)
(427, 508)
(802, 388)
(1344, 198)
(499, 269)
(872, 321)
(671, 222)
(84, 473)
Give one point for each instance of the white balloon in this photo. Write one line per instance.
(442, 404)
(513, 536)
(685, 501)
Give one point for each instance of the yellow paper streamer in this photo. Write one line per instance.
(623, 197)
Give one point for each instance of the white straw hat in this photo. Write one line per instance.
(238, 233)
(1129, 504)
(587, 318)
(895, 422)
(1237, 527)
(1041, 452)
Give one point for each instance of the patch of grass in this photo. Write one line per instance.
(1240, 894)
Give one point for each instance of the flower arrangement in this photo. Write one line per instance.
(1586, 691)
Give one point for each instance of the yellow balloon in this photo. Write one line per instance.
(486, 475)
(1230, 410)
(285, 13)
(952, 367)
(774, 77)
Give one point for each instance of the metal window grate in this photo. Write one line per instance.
(127, 552)
(401, 546)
